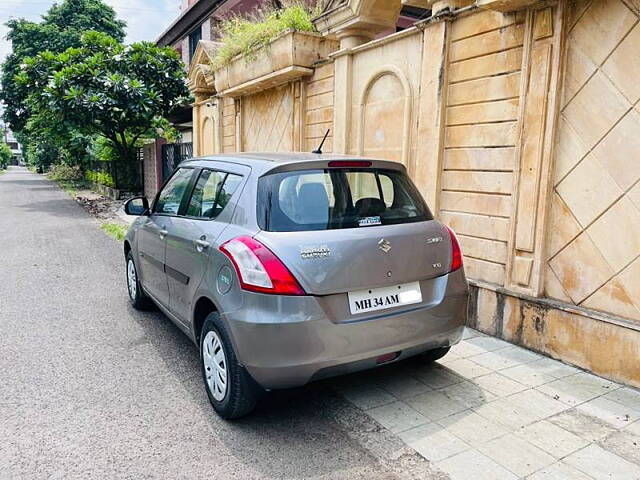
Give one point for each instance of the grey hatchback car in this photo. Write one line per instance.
(288, 268)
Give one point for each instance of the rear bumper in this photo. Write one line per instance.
(289, 341)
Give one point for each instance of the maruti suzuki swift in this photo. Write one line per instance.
(289, 268)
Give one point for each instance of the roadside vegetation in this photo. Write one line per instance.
(76, 96)
(243, 35)
(69, 178)
(5, 155)
(115, 230)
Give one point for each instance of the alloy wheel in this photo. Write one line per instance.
(132, 279)
(215, 365)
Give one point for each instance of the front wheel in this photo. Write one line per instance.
(137, 296)
(230, 389)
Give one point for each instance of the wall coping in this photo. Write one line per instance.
(560, 305)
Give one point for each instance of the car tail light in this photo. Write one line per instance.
(456, 253)
(259, 270)
(349, 163)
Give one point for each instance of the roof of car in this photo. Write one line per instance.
(267, 161)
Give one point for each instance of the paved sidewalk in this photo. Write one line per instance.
(492, 410)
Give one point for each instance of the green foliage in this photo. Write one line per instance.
(62, 27)
(115, 230)
(242, 36)
(63, 172)
(122, 93)
(5, 155)
(68, 177)
(102, 178)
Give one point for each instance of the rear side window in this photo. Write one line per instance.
(212, 193)
(330, 199)
(171, 196)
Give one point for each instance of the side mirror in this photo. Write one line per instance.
(136, 206)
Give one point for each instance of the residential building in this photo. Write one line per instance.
(9, 138)
(517, 119)
(199, 20)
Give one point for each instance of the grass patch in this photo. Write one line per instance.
(115, 230)
(243, 35)
(71, 186)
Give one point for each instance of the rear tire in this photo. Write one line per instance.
(137, 297)
(231, 390)
(435, 354)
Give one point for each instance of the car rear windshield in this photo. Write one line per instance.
(304, 200)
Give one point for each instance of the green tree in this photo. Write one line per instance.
(122, 93)
(61, 28)
(5, 155)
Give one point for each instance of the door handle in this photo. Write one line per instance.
(163, 234)
(202, 244)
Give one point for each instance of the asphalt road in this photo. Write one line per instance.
(90, 388)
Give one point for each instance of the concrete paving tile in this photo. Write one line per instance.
(629, 397)
(584, 426)
(433, 442)
(474, 465)
(435, 375)
(610, 412)
(634, 428)
(504, 413)
(579, 388)
(625, 444)
(494, 361)
(559, 471)
(465, 349)
(403, 386)
(470, 333)
(520, 354)
(499, 385)
(521, 409)
(366, 396)
(468, 394)
(466, 368)
(472, 428)
(489, 344)
(529, 374)
(600, 464)
(556, 368)
(397, 417)
(435, 405)
(516, 455)
(551, 438)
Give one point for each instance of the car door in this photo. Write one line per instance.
(153, 234)
(193, 235)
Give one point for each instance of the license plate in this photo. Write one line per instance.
(386, 297)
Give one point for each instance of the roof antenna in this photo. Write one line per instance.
(319, 149)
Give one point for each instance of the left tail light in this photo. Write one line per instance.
(259, 270)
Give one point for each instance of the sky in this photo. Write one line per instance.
(146, 19)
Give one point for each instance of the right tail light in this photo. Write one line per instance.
(456, 253)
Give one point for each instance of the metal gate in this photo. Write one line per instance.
(172, 155)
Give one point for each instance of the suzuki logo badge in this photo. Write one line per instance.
(384, 245)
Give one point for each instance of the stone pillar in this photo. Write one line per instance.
(539, 92)
(431, 111)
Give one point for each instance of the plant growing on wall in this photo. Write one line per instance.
(243, 35)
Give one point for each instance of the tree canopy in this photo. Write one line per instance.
(106, 88)
(62, 27)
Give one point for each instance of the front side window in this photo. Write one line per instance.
(171, 196)
(212, 193)
(338, 198)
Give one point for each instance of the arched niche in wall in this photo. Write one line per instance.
(385, 116)
(207, 138)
